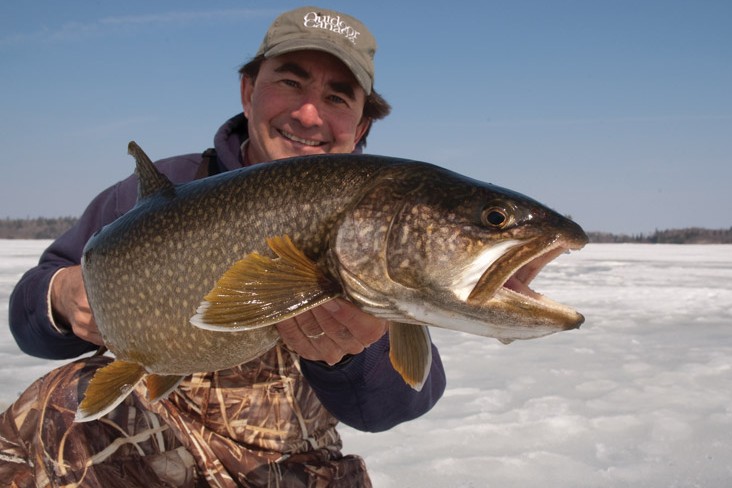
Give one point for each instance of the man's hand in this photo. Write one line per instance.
(329, 332)
(71, 307)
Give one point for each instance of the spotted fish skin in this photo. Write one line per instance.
(147, 272)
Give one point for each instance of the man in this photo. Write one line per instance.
(271, 421)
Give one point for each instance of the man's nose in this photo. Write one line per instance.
(308, 113)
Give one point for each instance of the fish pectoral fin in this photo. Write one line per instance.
(108, 387)
(159, 386)
(410, 352)
(258, 291)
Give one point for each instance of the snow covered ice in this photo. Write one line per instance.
(640, 396)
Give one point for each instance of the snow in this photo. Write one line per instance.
(640, 396)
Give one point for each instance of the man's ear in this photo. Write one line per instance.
(246, 89)
(362, 129)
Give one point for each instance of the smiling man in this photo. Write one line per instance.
(268, 422)
(305, 102)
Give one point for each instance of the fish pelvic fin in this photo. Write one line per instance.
(108, 387)
(159, 386)
(258, 291)
(410, 353)
(151, 180)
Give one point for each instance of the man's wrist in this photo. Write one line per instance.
(59, 324)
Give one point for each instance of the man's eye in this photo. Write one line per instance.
(337, 99)
(291, 83)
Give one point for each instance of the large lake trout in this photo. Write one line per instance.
(193, 278)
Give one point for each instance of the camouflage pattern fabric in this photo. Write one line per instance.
(258, 424)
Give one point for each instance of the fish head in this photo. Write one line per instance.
(437, 248)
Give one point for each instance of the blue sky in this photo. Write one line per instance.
(618, 113)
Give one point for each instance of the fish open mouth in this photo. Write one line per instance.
(519, 281)
(508, 278)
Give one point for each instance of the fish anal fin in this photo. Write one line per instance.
(258, 291)
(159, 386)
(108, 387)
(150, 180)
(410, 352)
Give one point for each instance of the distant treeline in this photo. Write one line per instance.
(38, 228)
(50, 228)
(691, 235)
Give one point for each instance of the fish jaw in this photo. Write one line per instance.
(498, 322)
(511, 312)
(504, 286)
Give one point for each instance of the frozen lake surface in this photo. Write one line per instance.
(640, 396)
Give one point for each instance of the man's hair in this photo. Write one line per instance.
(375, 107)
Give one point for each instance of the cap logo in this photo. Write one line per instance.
(314, 20)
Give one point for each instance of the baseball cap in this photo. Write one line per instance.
(341, 35)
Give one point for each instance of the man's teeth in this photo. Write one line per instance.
(294, 138)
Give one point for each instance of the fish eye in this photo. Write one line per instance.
(495, 217)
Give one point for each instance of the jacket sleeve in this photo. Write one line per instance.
(366, 393)
(30, 315)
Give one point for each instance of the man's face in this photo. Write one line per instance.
(304, 102)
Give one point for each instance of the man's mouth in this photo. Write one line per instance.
(300, 140)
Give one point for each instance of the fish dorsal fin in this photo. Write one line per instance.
(108, 387)
(258, 291)
(160, 386)
(151, 180)
(410, 351)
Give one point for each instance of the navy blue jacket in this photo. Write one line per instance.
(364, 391)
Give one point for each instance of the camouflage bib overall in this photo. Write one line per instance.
(258, 424)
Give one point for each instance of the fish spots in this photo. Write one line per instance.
(405, 236)
(205, 340)
(365, 231)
